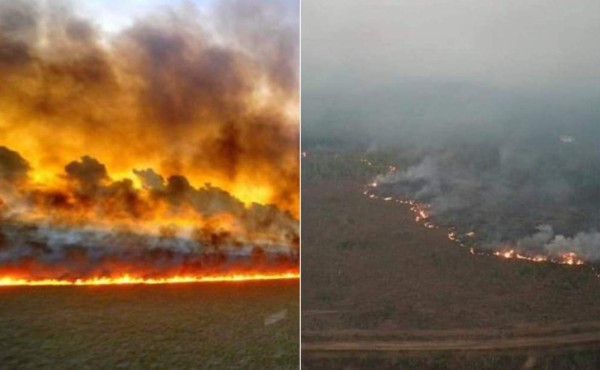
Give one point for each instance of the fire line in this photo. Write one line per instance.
(131, 280)
(422, 217)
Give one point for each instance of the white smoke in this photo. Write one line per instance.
(502, 191)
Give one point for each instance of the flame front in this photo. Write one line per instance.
(131, 280)
(562, 259)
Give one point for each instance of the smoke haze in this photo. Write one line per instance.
(491, 109)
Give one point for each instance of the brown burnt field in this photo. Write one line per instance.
(381, 291)
(242, 325)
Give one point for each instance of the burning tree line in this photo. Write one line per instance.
(94, 226)
(106, 138)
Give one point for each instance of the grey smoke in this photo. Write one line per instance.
(489, 109)
(585, 245)
(63, 252)
(504, 191)
(150, 179)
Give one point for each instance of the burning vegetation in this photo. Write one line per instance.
(470, 229)
(542, 246)
(166, 152)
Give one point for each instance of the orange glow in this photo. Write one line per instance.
(131, 280)
(562, 259)
(111, 97)
(165, 152)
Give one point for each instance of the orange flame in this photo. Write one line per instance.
(132, 280)
(569, 258)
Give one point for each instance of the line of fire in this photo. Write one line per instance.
(165, 152)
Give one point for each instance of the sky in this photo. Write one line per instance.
(446, 53)
(121, 14)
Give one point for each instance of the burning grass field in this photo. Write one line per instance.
(237, 325)
(381, 290)
(139, 154)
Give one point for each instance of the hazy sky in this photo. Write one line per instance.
(500, 42)
(411, 62)
(498, 100)
(113, 16)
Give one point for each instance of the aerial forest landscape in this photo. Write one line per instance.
(450, 185)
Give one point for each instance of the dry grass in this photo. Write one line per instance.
(189, 326)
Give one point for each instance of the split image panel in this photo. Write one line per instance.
(450, 187)
(149, 184)
(276, 184)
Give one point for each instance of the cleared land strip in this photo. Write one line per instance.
(454, 345)
(525, 330)
(458, 340)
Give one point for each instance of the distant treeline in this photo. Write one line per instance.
(340, 160)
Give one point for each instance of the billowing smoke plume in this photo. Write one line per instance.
(94, 226)
(545, 242)
(166, 147)
(13, 167)
(212, 96)
(537, 196)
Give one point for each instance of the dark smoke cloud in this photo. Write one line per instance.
(150, 179)
(13, 167)
(94, 227)
(96, 192)
(245, 22)
(88, 173)
(169, 89)
(35, 252)
(200, 106)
